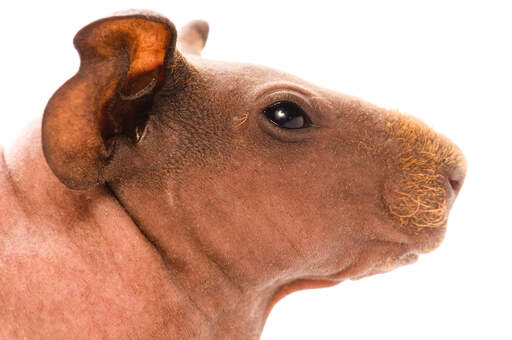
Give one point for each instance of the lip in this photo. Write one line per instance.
(408, 258)
(427, 240)
(403, 260)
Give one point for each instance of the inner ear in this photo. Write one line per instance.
(128, 109)
(123, 63)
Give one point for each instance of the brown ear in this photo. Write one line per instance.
(123, 62)
(192, 37)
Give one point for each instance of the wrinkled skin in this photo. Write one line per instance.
(158, 201)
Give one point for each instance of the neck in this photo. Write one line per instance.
(206, 300)
(229, 307)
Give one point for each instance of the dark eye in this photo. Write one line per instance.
(287, 115)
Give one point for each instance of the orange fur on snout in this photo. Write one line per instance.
(418, 196)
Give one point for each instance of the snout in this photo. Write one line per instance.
(428, 173)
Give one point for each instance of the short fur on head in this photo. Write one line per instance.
(195, 193)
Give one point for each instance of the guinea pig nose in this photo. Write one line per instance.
(455, 178)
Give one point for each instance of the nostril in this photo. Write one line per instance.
(455, 177)
(455, 184)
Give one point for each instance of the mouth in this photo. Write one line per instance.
(382, 258)
(408, 258)
(396, 246)
(389, 265)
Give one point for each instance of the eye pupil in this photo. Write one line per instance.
(287, 115)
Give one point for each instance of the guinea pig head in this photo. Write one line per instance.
(279, 182)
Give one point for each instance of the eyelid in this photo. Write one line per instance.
(283, 86)
(318, 106)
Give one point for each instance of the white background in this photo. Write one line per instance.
(444, 61)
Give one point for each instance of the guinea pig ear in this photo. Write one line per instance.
(192, 37)
(124, 60)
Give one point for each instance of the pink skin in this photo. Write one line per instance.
(201, 220)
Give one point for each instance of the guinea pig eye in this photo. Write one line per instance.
(287, 115)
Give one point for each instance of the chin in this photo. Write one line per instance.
(387, 265)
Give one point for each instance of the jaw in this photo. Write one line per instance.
(381, 256)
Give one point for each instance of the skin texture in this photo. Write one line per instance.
(158, 202)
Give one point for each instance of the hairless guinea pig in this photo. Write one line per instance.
(166, 196)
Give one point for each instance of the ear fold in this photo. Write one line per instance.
(123, 63)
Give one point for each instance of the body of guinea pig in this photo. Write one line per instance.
(165, 196)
